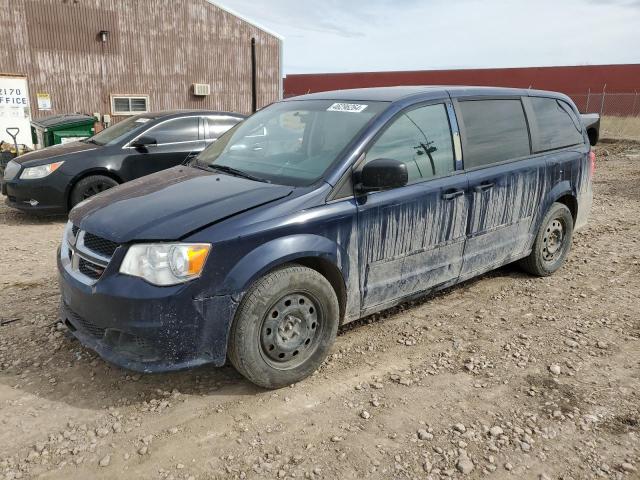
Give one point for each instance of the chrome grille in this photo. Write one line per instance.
(102, 246)
(90, 269)
(84, 255)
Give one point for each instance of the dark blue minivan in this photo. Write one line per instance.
(317, 211)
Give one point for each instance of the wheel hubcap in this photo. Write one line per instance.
(290, 330)
(553, 240)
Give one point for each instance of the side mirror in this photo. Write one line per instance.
(382, 174)
(143, 142)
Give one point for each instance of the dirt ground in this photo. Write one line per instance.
(506, 376)
(620, 127)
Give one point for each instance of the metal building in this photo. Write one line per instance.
(121, 57)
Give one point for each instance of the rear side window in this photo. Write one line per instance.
(558, 125)
(421, 138)
(183, 129)
(494, 130)
(216, 126)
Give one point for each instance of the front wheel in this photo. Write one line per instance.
(90, 186)
(284, 327)
(552, 243)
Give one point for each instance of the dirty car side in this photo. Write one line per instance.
(376, 249)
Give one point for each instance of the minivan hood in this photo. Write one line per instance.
(168, 205)
(40, 157)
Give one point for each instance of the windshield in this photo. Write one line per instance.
(116, 132)
(290, 143)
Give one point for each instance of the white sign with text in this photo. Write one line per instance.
(14, 109)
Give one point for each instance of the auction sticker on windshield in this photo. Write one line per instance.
(347, 107)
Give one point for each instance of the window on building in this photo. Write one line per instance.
(558, 125)
(129, 104)
(421, 138)
(494, 130)
(183, 129)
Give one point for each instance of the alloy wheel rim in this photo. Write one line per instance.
(94, 189)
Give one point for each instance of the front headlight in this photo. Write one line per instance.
(11, 170)
(165, 263)
(40, 171)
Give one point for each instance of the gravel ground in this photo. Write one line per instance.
(506, 376)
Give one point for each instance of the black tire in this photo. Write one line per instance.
(284, 327)
(90, 186)
(552, 243)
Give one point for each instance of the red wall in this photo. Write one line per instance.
(569, 80)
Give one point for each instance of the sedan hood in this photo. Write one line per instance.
(170, 204)
(40, 157)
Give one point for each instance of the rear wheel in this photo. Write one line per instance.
(284, 327)
(90, 186)
(552, 244)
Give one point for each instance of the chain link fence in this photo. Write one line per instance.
(620, 112)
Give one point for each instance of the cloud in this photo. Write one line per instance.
(329, 16)
(373, 35)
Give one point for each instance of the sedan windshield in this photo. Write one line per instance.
(290, 143)
(117, 132)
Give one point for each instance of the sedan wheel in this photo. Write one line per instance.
(90, 186)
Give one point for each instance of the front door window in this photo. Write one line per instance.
(412, 238)
(420, 138)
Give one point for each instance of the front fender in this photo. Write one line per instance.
(278, 252)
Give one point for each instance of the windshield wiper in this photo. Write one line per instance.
(90, 140)
(236, 172)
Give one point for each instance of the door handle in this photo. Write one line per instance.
(451, 194)
(483, 187)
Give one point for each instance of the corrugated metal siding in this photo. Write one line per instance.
(569, 79)
(155, 47)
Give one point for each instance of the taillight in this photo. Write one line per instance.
(592, 161)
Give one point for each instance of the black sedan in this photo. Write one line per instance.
(54, 179)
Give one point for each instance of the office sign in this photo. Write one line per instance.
(14, 109)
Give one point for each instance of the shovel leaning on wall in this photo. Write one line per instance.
(6, 154)
(14, 136)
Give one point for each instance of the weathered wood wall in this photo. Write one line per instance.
(155, 47)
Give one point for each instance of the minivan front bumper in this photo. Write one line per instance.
(145, 328)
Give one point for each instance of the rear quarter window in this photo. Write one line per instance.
(494, 131)
(557, 124)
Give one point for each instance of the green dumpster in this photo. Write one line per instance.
(61, 129)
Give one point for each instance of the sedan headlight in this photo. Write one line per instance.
(41, 171)
(165, 263)
(11, 170)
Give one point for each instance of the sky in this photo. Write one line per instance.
(374, 35)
